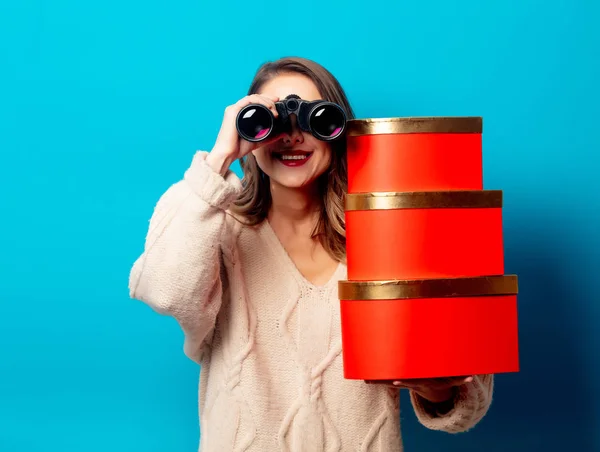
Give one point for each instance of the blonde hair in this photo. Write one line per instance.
(255, 199)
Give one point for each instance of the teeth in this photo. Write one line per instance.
(293, 157)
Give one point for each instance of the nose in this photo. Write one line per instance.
(294, 135)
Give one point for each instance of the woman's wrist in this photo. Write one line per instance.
(438, 404)
(219, 161)
(438, 395)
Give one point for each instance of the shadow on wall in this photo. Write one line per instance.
(547, 405)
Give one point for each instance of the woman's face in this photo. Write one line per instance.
(296, 159)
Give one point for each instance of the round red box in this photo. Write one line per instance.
(414, 154)
(438, 334)
(424, 235)
(426, 295)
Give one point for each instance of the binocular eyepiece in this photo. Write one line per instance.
(324, 120)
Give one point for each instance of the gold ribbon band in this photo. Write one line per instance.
(424, 200)
(381, 126)
(428, 288)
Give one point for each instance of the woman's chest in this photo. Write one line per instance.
(272, 300)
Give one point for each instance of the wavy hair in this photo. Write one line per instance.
(255, 199)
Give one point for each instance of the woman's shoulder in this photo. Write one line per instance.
(236, 222)
(251, 245)
(240, 225)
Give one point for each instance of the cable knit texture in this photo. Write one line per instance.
(268, 340)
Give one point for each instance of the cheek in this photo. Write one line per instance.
(261, 154)
(322, 148)
(325, 153)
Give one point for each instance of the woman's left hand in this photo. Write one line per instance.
(435, 390)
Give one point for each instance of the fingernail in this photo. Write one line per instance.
(397, 383)
(469, 379)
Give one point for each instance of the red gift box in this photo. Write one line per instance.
(426, 294)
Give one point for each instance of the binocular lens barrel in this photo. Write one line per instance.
(255, 122)
(327, 122)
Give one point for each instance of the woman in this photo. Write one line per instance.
(249, 269)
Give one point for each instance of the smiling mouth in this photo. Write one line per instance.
(292, 155)
(292, 158)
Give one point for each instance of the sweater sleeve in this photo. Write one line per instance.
(471, 403)
(179, 272)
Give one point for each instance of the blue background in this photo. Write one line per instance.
(102, 105)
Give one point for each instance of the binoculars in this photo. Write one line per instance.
(324, 120)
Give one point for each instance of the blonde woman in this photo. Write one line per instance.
(249, 269)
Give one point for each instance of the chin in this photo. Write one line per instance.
(293, 168)
(299, 176)
(297, 181)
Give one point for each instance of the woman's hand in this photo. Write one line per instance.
(229, 146)
(434, 390)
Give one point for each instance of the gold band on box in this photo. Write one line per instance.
(428, 288)
(424, 200)
(382, 126)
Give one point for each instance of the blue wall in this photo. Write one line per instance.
(102, 105)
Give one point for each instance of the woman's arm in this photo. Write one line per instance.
(463, 411)
(179, 271)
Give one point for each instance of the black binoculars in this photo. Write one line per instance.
(324, 120)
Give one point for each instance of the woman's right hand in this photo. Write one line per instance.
(229, 146)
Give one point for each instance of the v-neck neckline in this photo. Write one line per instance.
(280, 250)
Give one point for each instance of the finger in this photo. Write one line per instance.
(457, 381)
(250, 99)
(449, 380)
(269, 101)
(257, 99)
(407, 384)
(441, 383)
(381, 382)
(412, 382)
(269, 96)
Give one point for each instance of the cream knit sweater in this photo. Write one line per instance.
(268, 341)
